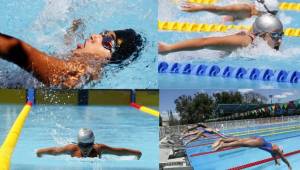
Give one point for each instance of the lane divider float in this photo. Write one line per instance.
(200, 27)
(282, 76)
(11, 139)
(145, 109)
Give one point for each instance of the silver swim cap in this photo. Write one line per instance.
(267, 23)
(85, 135)
(267, 6)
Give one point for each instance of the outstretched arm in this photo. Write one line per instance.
(225, 43)
(285, 160)
(68, 149)
(118, 151)
(45, 68)
(199, 135)
(238, 11)
(189, 134)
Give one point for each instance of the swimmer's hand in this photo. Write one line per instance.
(139, 155)
(190, 7)
(164, 48)
(39, 154)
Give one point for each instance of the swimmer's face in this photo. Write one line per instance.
(94, 45)
(86, 148)
(272, 42)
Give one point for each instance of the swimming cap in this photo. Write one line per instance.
(268, 6)
(85, 135)
(267, 23)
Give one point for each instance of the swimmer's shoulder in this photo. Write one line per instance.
(71, 147)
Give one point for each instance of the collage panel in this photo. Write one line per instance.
(78, 44)
(228, 44)
(229, 129)
(61, 127)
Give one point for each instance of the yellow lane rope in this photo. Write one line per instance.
(196, 27)
(11, 139)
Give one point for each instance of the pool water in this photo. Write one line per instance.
(240, 156)
(262, 57)
(49, 126)
(43, 24)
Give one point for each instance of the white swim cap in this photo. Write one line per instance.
(267, 6)
(267, 23)
(85, 135)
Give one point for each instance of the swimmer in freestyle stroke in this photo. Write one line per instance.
(268, 27)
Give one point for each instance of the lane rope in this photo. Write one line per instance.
(145, 109)
(201, 27)
(239, 73)
(9, 144)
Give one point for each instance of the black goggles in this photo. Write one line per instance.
(85, 145)
(265, 6)
(108, 41)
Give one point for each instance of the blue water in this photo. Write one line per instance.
(49, 126)
(43, 24)
(287, 58)
(240, 156)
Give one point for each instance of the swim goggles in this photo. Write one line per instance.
(85, 145)
(108, 42)
(265, 6)
(276, 35)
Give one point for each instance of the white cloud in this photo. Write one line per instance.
(280, 96)
(245, 90)
(288, 93)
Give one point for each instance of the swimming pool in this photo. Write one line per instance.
(43, 25)
(284, 134)
(58, 125)
(262, 57)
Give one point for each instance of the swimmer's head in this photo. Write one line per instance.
(267, 6)
(86, 141)
(128, 46)
(270, 28)
(217, 130)
(278, 148)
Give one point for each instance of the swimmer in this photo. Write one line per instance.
(87, 148)
(236, 11)
(195, 127)
(254, 142)
(267, 27)
(83, 65)
(203, 133)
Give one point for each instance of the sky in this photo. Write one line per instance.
(167, 97)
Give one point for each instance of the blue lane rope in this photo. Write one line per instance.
(230, 72)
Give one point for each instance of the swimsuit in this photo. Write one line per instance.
(266, 146)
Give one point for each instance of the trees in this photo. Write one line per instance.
(194, 109)
(200, 106)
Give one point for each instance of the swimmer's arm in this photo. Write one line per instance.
(226, 43)
(285, 160)
(190, 134)
(68, 149)
(43, 66)
(104, 149)
(195, 138)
